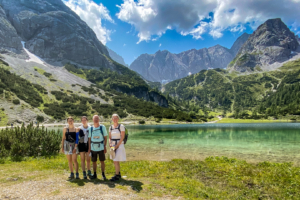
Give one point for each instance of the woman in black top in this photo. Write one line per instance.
(69, 146)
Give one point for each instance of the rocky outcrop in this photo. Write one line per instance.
(144, 93)
(165, 66)
(116, 57)
(10, 42)
(271, 42)
(53, 32)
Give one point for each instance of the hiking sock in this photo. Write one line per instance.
(103, 176)
(89, 173)
(84, 175)
(71, 175)
(77, 175)
(119, 175)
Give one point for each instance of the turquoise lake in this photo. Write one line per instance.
(276, 142)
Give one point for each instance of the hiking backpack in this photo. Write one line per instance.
(126, 133)
(96, 140)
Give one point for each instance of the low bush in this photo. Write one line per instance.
(40, 118)
(142, 122)
(16, 101)
(29, 141)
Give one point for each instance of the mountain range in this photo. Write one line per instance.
(263, 78)
(52, 64)
(164, 66)
(60, 59)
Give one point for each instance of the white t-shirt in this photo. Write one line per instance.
(86, 133)
(114, 131)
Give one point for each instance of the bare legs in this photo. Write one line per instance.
(72, 159)
(85, 157)
(82, 158)
(117, 167)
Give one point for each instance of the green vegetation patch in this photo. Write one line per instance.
(3, 117)
(22, 88)
(28, 141)
(292, 65)
(213, 178)
(68, 104)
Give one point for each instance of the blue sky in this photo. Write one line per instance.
(132, 28)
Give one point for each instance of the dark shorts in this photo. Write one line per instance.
(99, 154)
(83, 147)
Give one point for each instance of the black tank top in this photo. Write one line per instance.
(70, 136)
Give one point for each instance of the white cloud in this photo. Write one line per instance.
(152, 18)
(159, 45)
(92, 14)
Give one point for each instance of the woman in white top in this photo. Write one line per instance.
(116, 137)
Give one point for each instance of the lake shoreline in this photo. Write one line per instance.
(222, 120)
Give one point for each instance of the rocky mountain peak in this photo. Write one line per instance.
(51, 31)
(165, 66)
(272, 42)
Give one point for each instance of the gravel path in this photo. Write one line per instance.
(59, 188)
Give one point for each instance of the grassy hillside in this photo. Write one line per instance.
(262, 93)
(59, 103)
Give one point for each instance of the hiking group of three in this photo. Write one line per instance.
(90, 143)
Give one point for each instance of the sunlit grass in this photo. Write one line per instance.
(214, 178)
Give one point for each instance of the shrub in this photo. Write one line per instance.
(47, 74)
(142, 122)
(158, 120)
(16, 101)
(40, 118)
(29, 141)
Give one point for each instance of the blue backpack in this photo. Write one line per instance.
(96, 140)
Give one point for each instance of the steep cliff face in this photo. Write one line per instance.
(10, 42)
(271, 42)
(53, 32)
(56, 34)
(164, 65)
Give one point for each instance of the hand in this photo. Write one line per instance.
(77, 129)
(89, 152)
(105, 150)
(116, 147)
(62, 150)
(74, 151)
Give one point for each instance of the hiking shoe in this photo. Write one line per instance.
(84, 175)
(115, 178)
(89, 173)
(103, 176)
(77, 175)
(94, 176)
(71, 175)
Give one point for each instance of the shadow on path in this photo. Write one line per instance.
(135, 185)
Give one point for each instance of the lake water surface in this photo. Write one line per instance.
(276, 142)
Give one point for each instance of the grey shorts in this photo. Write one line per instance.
(69, 147)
